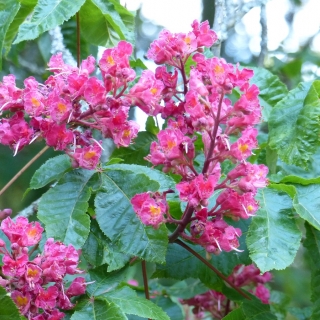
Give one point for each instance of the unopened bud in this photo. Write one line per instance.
(5, 213)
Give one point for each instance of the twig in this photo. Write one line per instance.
(209, 265)
(23, 169)
(145, 279)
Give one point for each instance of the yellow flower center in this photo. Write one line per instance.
(22, 301)
(243, 147)
(89, 155)
(110, 60)
(155, 211)
(154, 91)
(61, 107)
(35, 102)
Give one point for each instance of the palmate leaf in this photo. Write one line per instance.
(272, 90)
(8, 309)
(63, 208)
(294, 125)
(46, 16)
(312, 243)
(8, 11)
(118, 221)
(273, 237)
(104, 23)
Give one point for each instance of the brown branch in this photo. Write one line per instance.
(209, 265)
(23, 169)
(145, 279)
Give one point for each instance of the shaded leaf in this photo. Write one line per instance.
(294, 125)
(46, 16)
(63, 208)
(26, 7)
(307, 203)
(172, 309)
(98, 249)
(128, 301)
(8, 11)
(256, 310)
(273, 237)
(163, 179)
(312, 243)
(46, 174)
(236, 314)
(272, 90)
(112, 23)
(135, 153)
(104, 281)
(8, 309)
(181, 264)
(97, 309)
(119, 222)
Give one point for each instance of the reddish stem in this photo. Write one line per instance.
(209, 265)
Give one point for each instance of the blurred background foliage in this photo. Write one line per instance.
(29, 58)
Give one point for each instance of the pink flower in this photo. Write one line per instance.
(146, 93)
(57, 135)
(150, 208)
(22, 300)
(46, 299)
(205, 36)
(77, 287)
(242, 148)
(87, 157)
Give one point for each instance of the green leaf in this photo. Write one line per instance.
(294, 125)
(256, 310)
(112, 23)
(181, 264)
(47, 15)
(8, 11)
(172, 309)
(272, 90)
(97, 309)
(128, 301)
(294, 174)
(273, 237)
(119, 222)
(307, 203)
(163, 179)
(104, 281)
(312, 243)
(135, 153)
(98, 250)
(236, 314)
(63, 208)
(8, 309)
(52, 170)
(26, 7)
(151, 126)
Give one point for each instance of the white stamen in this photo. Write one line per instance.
(70, 115)
(17, 147)
(98, 144)
(34, 138)
(217, 244)
(237, 249)
(5, 105)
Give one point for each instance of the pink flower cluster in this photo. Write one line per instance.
(217, 304)
(201, 106)
(70, 105)
(37, 286)
(150, 207)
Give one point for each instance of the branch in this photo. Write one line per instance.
(209, 265)
(23, 169)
